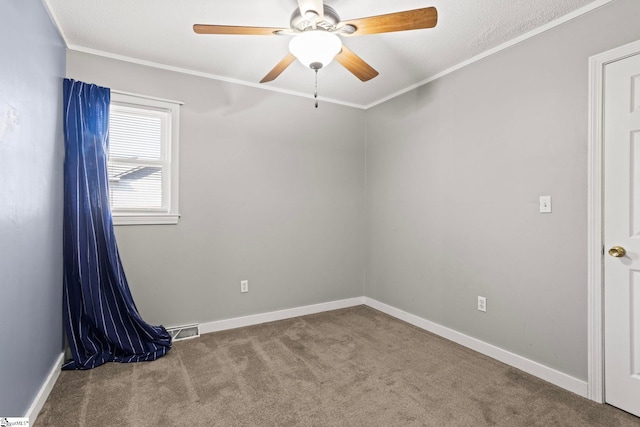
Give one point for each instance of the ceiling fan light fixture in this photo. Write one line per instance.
(315, 47)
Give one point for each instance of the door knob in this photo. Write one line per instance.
(617, 251)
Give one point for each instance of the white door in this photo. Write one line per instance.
(622, 233)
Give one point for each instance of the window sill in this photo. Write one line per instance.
(147, 219)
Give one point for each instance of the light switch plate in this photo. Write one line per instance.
(545, 204)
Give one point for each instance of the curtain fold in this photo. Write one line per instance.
(101, 318)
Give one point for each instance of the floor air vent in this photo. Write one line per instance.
(184, 332)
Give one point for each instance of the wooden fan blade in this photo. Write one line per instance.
(238, 30)
(279, 68)
(311, 5)
(400, 21)
(355, 65)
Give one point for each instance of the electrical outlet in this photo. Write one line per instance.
(482, 304)
(244, 286)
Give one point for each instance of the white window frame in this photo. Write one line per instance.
(169, 213)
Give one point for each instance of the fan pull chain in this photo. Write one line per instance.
(315, 91)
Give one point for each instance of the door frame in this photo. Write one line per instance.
(595, 364)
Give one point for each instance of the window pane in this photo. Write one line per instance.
(135, 186)
(134, 136)
(143, 176)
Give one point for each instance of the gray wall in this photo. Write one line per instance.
(271, 190)
(32, 66)
(454, 172)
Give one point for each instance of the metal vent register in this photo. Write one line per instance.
(184, 332)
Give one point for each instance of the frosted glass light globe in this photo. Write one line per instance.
(315, 47)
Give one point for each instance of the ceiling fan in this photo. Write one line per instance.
(315, 27)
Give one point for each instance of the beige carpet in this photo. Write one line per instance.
(351, 367)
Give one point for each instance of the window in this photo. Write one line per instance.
(143, 160)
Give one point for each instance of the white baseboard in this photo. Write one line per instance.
(255, 319)
(546, 373)
(43, 394)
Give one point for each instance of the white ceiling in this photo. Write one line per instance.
(160, 32)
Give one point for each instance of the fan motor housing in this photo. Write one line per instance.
(330, 21)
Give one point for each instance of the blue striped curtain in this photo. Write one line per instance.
(101, 318)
